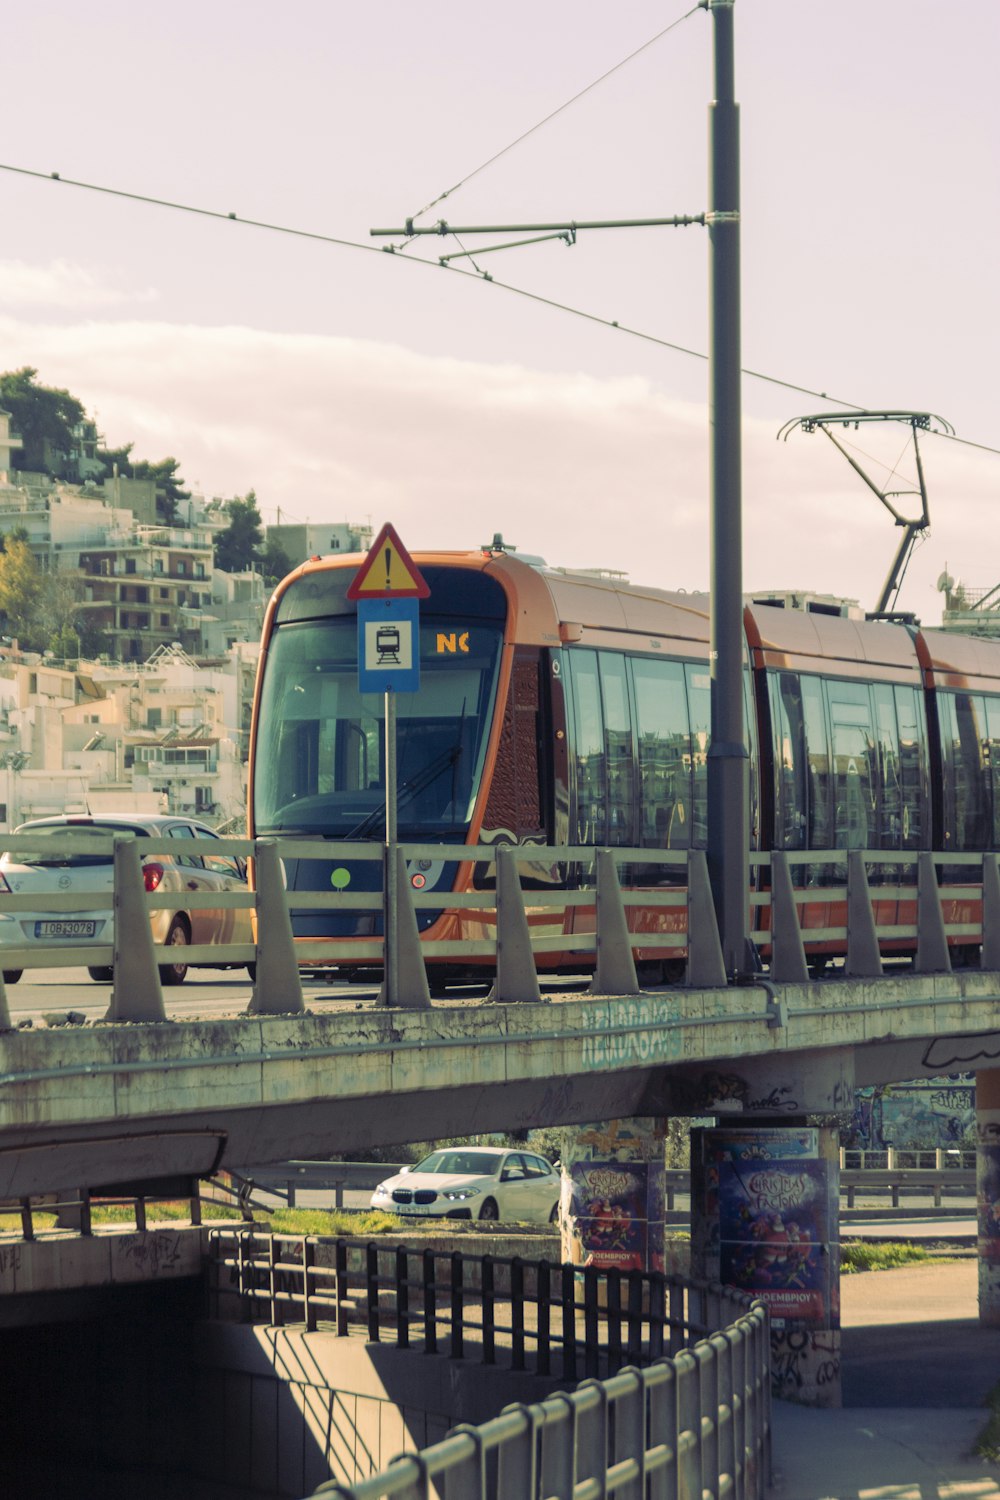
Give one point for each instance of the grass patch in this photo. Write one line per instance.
(122, 1213)
(987, 1444)
(350, 1224)
(859, 1255)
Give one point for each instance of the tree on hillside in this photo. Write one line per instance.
(122, 457)
(169, 491)
(62, 597)
(21, 595)
(169, 486)
(41, 610)
(44, 417)
(239, 546)
(274, 562)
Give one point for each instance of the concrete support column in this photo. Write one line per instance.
(612, 1208)
(988, 1193)
(765, 1217)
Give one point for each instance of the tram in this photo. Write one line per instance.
(569, 708)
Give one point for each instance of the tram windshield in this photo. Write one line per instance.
(320, 750)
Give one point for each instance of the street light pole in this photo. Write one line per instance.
(728, 766)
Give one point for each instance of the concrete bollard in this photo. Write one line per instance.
(277, 988)
(614, 972)
(135, 992)
(517, 979)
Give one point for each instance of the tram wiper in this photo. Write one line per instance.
(409, 789)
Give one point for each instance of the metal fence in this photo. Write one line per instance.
(862, 905)
(675, 1399)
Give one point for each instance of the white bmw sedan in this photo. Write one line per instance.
(475, 1182)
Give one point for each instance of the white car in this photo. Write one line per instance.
(475, 1182)
(72, 868)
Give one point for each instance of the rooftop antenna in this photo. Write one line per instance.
(918, 421)
(498, 545)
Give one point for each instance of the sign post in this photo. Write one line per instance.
(388, 588)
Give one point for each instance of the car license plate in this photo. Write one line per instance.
(64, 929)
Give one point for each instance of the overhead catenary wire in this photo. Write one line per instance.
(486, 278)
(560, 109)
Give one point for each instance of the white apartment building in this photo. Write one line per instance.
(313, 539)
(167, 735)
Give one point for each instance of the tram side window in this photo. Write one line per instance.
(967, 811)
(912, 764)
(890, 810)
(664, 737)
(818, 794)
(855, 825)
(993, 726)
(617, 748)
(791, 822)
(699, 690)
(591, 766)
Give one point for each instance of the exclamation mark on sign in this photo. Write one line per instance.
(388, 566)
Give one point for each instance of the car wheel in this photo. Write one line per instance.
(489, 1210)
(102, 975)
(11, 976)
(177, 937)
(554, 1215)
(252, 971)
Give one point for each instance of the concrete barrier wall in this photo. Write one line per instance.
(280, 1410)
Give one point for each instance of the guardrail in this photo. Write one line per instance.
(287, 1179)
(677, 1397)
(904, 912)
(74, 1209)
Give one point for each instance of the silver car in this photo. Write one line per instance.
(475, 1182)
(91, 874)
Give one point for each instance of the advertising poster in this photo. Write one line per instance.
(776, 1221)
(609, 1206)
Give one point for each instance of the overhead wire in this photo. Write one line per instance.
(560, 109)
(475, 275)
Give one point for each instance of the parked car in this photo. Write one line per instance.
(475, 1182)
(91, 873)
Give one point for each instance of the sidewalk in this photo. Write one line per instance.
(879, 1454)
(916, 1367)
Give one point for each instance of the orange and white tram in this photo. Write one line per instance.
(567, 708)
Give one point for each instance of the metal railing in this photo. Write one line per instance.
(515, 932)
(677, 1394)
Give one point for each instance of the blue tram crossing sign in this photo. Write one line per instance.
(388, 645)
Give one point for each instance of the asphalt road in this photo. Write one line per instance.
(206, 993)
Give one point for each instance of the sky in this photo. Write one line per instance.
(343, 383)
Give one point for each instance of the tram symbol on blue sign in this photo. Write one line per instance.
(388, 645)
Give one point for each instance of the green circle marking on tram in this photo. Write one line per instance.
(340, 878)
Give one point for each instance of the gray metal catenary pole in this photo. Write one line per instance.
(728, 766)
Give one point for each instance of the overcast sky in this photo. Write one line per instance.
(346, 384)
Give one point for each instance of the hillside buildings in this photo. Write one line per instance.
(159, 720)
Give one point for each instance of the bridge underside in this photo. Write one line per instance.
(112, 1103)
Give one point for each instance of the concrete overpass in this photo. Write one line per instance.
(142, 1097)
(112, 1103)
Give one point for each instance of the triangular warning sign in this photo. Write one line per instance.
(388, 572)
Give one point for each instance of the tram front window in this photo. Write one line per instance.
(320, 756)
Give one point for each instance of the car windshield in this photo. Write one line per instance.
(467, 1163)
(71, 842)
